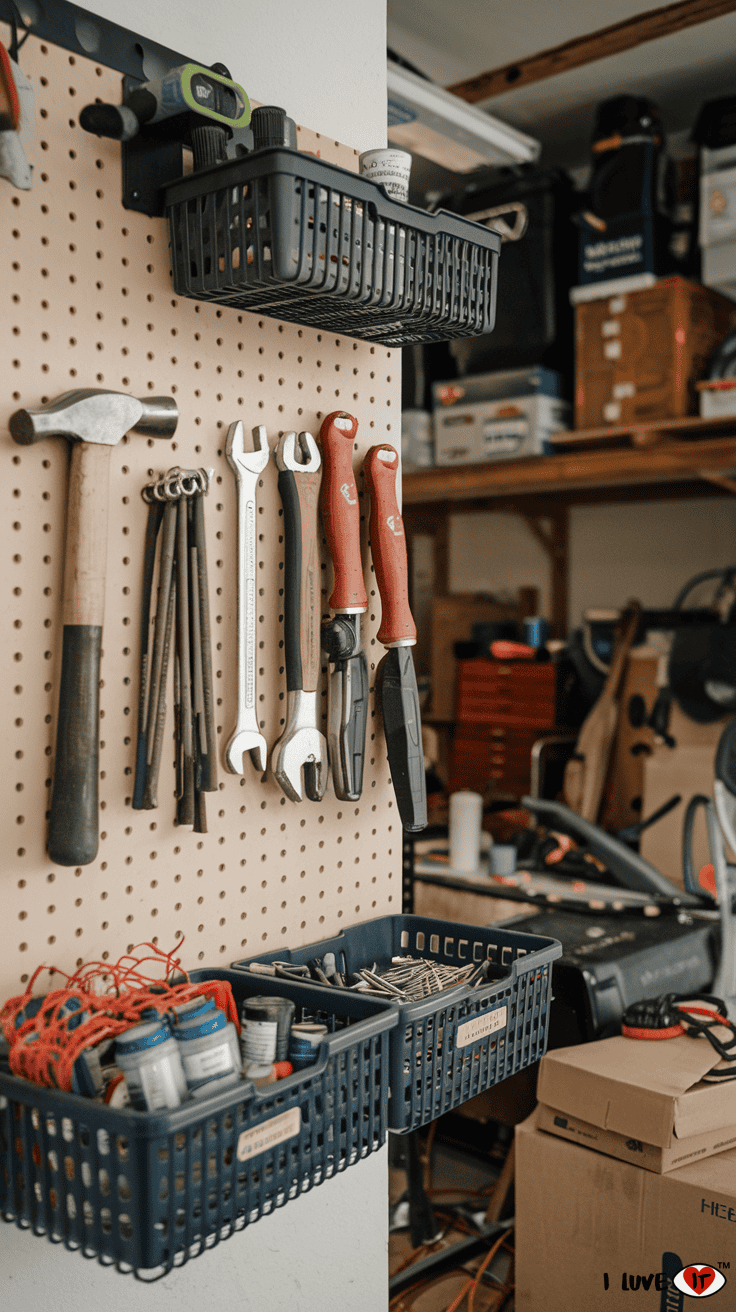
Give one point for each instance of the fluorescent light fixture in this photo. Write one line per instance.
(429, 121)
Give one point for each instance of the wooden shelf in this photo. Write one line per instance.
(647, 432)
(672, 458)
(704, 461)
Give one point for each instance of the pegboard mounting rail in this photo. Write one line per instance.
(87, 302)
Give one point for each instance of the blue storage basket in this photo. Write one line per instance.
(458, 1043)
(146, 1191)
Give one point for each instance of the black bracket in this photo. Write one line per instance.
(150, 162)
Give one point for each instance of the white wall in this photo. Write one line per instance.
(616, 552)
(324, 63)
(327, 1248)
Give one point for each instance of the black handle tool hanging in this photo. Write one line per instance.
(399, 696)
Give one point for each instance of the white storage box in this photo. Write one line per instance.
(498, 416)
(717, 397)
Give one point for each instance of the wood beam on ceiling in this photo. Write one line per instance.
(605, 42)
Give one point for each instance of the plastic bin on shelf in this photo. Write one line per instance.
(458, 1043)
(146, 1191)
(287, 235)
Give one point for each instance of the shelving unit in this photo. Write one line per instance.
(663, 459)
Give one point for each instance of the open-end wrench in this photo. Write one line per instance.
(301, 746)
(247, 466)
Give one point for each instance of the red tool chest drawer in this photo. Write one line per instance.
(492, 754)
(521, 693)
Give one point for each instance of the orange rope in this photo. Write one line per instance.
(472, 1285)
(99, 1001)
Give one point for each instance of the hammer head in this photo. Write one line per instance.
(95, 415)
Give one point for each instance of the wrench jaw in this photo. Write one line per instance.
(302, 747)
(308, 459)
(242, 741)
(247, 462)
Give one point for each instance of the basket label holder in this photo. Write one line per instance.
(272, 1132)
(480, 1026)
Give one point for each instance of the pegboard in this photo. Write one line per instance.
(87, 302)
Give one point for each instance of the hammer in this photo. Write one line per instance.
(95, 420)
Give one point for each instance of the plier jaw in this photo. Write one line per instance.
(347, 722)
(347, 714)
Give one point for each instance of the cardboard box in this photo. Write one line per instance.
(648, 1156)
(498, 416)
(594, 1234)
(639, 356)
(717, 398)
(640, 1101)
(686, 769)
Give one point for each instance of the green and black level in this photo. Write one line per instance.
(209, 93)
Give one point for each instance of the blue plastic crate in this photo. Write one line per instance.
(458, 1043)
(146, 1191)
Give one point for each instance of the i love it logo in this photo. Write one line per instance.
(699, 1280)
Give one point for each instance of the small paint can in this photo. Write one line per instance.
(149, 1058)
(304, 1041)
(193, 1007)
(210, 1053)
(265, 1023)
(390, 168)
(536, 631)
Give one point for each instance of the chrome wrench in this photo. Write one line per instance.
(302, 746)
(247, 467)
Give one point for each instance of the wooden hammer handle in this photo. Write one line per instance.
(73, 820)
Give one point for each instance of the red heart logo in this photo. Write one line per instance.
(698, 1278)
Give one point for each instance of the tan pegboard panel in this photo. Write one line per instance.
(87, 302)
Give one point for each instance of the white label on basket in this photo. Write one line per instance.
(612, 411)
(623, 390)
(612, 350)
(617, 305)
(610, 328)
(277, 1130)
(480, 1026)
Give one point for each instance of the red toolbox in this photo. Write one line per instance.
(522, 693)
(503, 707)
(492, 753)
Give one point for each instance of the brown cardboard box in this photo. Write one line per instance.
(594, 1234)
(641, 1101)
(649, 1156)
(638, 356)
(686, 769)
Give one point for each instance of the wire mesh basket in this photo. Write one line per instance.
(146, 1191)
(459, 1042)
(289, 236)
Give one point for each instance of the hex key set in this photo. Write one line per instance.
(176, 513)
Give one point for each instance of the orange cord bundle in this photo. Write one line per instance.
(46, 1035)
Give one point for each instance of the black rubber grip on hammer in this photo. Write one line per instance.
(73, 821)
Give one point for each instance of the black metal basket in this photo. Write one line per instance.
(289, 236)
